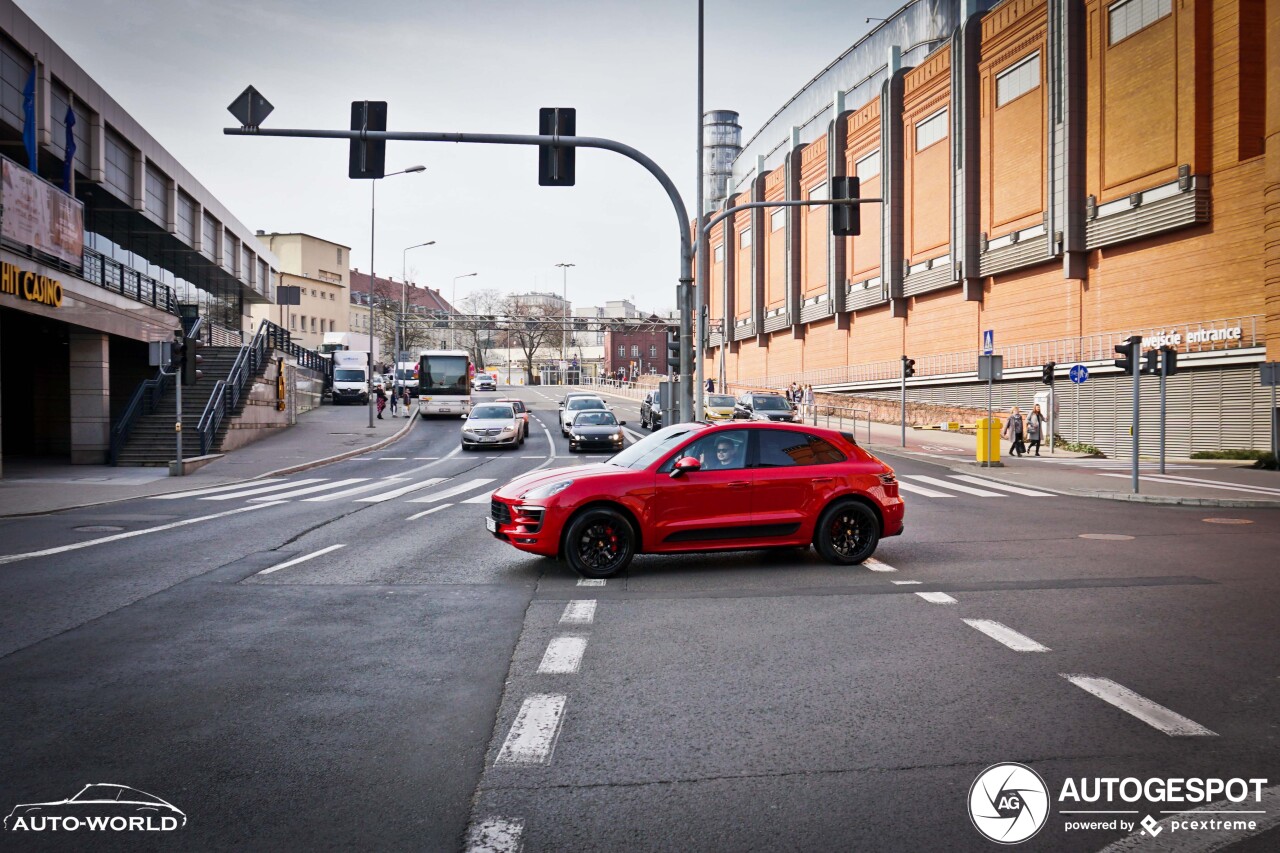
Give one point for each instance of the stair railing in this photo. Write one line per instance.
(145, 400)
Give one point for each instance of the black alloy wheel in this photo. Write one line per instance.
(847, 533)
(600, 543)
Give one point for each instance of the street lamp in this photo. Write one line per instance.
(453, 330)
(404, 280)
(564, 333)
(373, 208)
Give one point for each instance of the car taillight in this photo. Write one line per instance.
(890, 483)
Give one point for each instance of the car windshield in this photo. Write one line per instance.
(770, 404)
(406, 373)
(492, 413)
(515, 404)
(720, 401)
(595, 419)
(578, 403)
(653, 447)
(341, 375)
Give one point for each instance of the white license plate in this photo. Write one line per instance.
(443, 409)
(491, 524)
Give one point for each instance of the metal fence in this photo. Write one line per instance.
(112, 275)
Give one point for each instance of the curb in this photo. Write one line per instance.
(1163, 500)
(291, 470)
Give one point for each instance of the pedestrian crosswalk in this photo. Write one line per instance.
(357, 489)
(955, 485)
(1118, 464)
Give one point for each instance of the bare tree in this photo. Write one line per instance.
(530, 328)
(480, 336)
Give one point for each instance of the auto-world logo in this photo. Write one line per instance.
(101, 807)
(1008, 803)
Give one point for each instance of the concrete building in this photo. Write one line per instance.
(1060, 173)
(108, 241)
(319, 269)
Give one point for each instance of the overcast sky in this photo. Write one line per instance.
(630, 69)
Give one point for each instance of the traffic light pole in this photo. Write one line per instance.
(177, 423)
(1137, 372)
(1164, 372)
(904, 401)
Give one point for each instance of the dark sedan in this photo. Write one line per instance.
(598, 429)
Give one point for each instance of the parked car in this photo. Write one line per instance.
(521, 409)
(764, 407)
(578, 404)
(706, 487)
(651, 411)
(594, 428)
(484, 382)
(492, 425)
(718, 407)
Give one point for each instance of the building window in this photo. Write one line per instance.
(622, 350)
(333, 325)
(302, 321)
(719, 256)
(635, 351)
(1129, 16)
(293, 322)
(778, 219)
(744, 239)
(653, 350)
(339, 256)
(818, 192)
(867, 167)
(313, 325)
(931, 130)
(1017, 80)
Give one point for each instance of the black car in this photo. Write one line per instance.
(595, 428)
(651, 411)
(764, 407)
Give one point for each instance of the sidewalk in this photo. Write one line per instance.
(326, 434)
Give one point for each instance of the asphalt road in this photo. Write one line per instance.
(385, 692)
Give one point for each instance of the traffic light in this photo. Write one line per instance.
(908, 367)
(367, 157)
(1152, 359)
(191, 359)
(846, 219)
(673, 347)
(1170, 359)
(1129, 353)
(555, 162)
(1046, 373)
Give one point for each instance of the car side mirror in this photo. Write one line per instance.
(684, 465)
(622, 423)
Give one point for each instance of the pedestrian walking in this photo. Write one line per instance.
(408, 408)
(394, 400)
(1013, 429)
(810, 403)
(793, 394)
(381, 394)
(1035, 424)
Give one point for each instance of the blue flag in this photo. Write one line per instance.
(68, 162)
(29, 119)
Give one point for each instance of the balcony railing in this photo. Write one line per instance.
(112, 275)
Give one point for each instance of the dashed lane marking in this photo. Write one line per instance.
(418, 515)
(296, 560)
(1144, 709)
(1268, 807)
(579, 612)
(563, 656)
(1008, 636)
(1205, 484)
(876, 566)
(936, 597)
(590, 582)
(496, 835)
(905, 583)
(532, 738)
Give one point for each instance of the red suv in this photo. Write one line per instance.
(706, 487)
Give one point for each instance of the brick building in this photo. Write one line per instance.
(1063, 173)
(636, 351)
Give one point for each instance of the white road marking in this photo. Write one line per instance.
(532, 457)
(876, 566)
(392, 458)
(1141, 707)
(424, 458)
(214, 490)
(62, 549)
(416, 516)
(455, 490)
(590, 581)
(947, 484)
(402, 491)
(1267, 489)
(579, 612)
(1008, 636)
(302, 559)
(913, 489)
(482, 498)
(367, 487)
(936, 597)
(905, 583)
(283, 496)
(244, 493)
(496, 835)
(1017, 490)
(1187, 481)
(1205, 842)
(533, 735)
(563, 656)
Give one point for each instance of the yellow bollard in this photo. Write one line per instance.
(989, 440)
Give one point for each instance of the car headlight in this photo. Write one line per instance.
(544, 492)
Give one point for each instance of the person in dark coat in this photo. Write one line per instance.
(1013, 430)
(1035, 425)
(381, 394)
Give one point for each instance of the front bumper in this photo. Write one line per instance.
(534, 528)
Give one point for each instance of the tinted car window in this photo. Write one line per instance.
(785, 449)
(652, 447)
(724, 451)
(480, 412)
(771, 404)
(584, 403)
(719, 401)
(595, 419)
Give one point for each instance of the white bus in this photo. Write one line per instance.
(444, 382)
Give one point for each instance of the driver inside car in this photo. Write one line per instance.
(723, 455)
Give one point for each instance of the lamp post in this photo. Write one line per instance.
(453, 328)
(564, 333)
(404, 281)
(373, 216)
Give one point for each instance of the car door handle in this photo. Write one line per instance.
(821, 480)
(739, 484)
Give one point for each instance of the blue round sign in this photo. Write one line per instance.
(1079, 373)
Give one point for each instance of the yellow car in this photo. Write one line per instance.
(718, 407)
